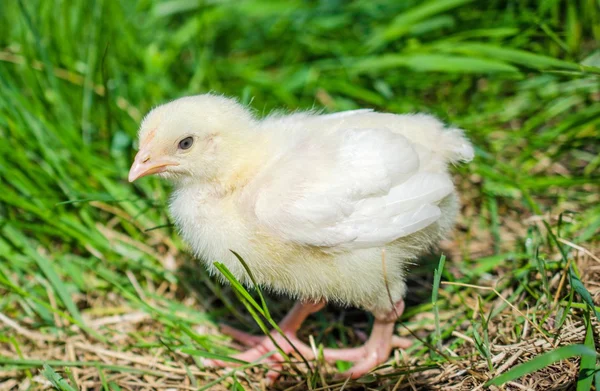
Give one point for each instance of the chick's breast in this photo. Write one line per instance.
(337, 192)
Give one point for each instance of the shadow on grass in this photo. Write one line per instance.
(334, 326)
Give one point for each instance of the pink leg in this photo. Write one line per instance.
(243, 337)
(263, 345)
(375, 351)
(290, 323)
(379, 335)
(397, 342)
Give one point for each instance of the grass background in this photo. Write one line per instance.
(96, 285)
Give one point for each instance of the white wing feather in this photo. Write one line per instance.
(345, 114)
(366, 191)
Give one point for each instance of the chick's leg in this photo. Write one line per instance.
(289, 326)
(376, 350)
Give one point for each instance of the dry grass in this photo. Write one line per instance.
(134, 357)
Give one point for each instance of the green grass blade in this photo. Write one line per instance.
(71, 377)
(214, 356)
(263, 302)
(430, 63)
(582, 291)
(516, 56)
(239, 287)
(588, 363)
(402, 23)
(57, 380)
(542, 361)
(58, 286)
(37, 363)
(437, 277)
(253, 305)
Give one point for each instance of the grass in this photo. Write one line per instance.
(97, 292)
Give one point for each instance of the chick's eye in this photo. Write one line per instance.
(186, 143)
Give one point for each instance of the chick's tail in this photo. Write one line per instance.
(455, 146)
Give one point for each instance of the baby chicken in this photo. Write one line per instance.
(311, 202)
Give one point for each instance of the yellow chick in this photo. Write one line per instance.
(310, 202)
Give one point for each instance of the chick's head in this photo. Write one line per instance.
(192, 138)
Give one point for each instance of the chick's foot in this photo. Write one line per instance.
(287, 342)
(376, 350)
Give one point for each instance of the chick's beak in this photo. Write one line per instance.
(144, 165)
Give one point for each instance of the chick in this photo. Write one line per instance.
(311, 202)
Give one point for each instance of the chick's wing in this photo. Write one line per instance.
(349, 188)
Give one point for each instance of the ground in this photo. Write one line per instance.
(97, 291)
